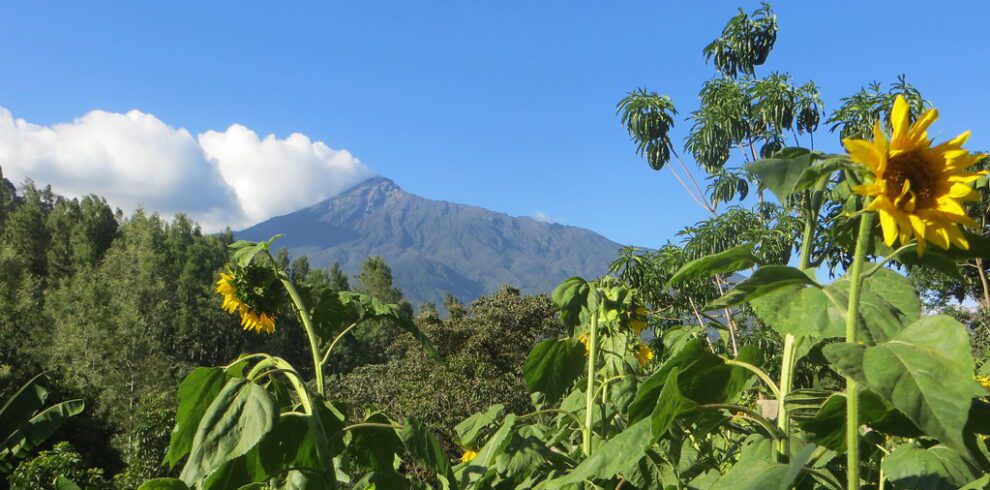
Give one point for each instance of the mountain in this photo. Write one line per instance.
(434, 247)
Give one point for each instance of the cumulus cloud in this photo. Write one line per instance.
(229, 178)
(274, 176)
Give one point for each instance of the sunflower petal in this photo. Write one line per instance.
(954, 143)
(938, 235)
(957, 236)
(900, 121)
(918, 134)
(889, 225)
(871, 189)
(864, 152)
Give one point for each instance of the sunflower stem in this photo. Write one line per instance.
(852, 390)
(307, 322)
(791, 343)
(589, 394)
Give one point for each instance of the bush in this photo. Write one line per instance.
(41, 472)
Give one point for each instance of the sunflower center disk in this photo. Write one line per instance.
(911, 167)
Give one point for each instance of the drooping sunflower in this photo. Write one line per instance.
(917, 189)
(251, 318)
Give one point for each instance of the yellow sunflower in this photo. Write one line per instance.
(644, 354)
(260, 322)
(984, 381)
(917, 189)
(584, 340)
(468, 456)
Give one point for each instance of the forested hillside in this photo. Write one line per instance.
(120, 309)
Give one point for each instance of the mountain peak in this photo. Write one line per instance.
(377, 182)
(434, 247)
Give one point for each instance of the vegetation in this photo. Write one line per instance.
(825, 327)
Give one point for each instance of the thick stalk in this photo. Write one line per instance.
(307, 322)
(791, 343)
(312, 418)
(589, 394)
(852, 390)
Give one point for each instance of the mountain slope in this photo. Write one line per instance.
(434, 247)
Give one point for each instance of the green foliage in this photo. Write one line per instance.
(61, 462)
(27, 420)
(552, 366)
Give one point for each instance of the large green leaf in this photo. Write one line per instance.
(887, 303)
(611, 457)
(825, 425)
(39, 428)
(731, 260)
(670, 404)
(820, 170)
(552, 366)
(693, 354)
(764, 474)
(801, 311)
(290, 444)
(243, 251)
(236, 420)
(24, 404)
(164, 484)
(782, 172)
(350, 307)
(478, 467)
(925, 372)
(572, 297)
(424, 446)
(470, 428)
(704, 378)
(765, 280)
(935, 468)
(375, 447)
(652, 471)
(196, 393)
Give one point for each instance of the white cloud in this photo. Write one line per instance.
(543, 217)
(230, 178)
(274, 176)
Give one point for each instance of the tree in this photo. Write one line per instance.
(375, 279)
(483, 352)
(338, 278)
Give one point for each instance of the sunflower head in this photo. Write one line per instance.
(247, 291)
(916, 188)
(984, 381)
(643, 353)
(584, 341)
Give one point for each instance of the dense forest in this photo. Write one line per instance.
(119, 310)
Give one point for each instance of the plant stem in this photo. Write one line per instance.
(787, 364)
(791, 343)
(757, 371)
(852, 390)
(326, 357)
(312, 418)
(589, 394)
(307, 322)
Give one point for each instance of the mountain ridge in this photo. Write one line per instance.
(436, 246)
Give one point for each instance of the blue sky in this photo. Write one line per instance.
(505, 105)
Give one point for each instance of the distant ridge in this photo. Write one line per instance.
(434, 247)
